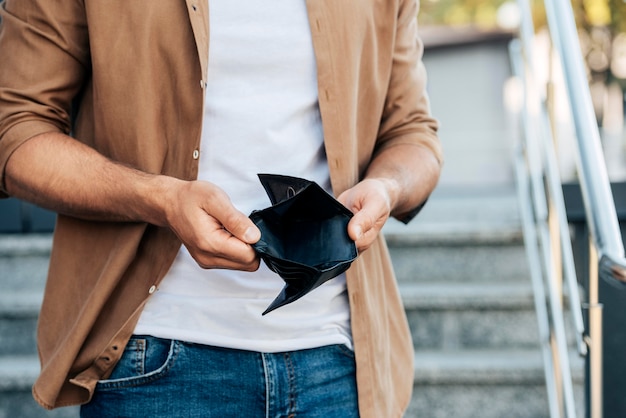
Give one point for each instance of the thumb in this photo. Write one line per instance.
(359, 225)
(244, 229)
(239, 225)
(251, 235)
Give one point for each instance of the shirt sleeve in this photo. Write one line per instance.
(44, 51)
(406, 115)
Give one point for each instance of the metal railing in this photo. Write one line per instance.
(546, 231)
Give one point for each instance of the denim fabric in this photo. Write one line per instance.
(166, 378)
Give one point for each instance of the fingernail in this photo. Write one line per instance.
(358, 232)
(252, 235)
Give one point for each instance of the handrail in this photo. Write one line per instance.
(539, 193)
(595, 186)
(544, 218)
(535, 265)
(549, 173)
(601, 217)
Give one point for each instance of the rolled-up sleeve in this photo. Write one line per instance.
(406, 115)
(44, 55)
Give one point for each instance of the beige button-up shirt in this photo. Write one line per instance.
(127, 78)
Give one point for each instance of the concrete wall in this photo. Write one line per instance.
(468, 72)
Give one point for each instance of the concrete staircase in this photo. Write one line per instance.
(462, 270)
(23, 266)
(465, 282)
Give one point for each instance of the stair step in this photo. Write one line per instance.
(484, 383)
(18, 372)
(19, 311)
(470, 215)
(17, 375)
(470, 315)
(24, 261)
(461, 238)
(460, 296)
(503, 262)
(485, 367)
(20, 304)
(12, 245)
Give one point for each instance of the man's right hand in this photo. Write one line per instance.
(216, 234)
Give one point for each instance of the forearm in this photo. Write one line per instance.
(64, 175)
(60, 173)
(410, 173)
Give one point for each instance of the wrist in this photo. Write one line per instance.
(159, 196)
(391, 189)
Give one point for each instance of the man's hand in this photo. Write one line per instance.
(371, 201)
(397, 180)
(216, 234)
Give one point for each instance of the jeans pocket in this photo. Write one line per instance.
(344, 350)
(144, 359)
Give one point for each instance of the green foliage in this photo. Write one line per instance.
(601, 24)
(459, 12)
(483, 13)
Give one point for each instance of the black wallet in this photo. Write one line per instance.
(304, 236)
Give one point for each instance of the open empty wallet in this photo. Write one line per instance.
(304, 236)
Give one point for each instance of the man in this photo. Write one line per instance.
(146, 138)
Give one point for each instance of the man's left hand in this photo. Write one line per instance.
(371, 202)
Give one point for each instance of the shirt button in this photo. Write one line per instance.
(196, 154)
(152, 289)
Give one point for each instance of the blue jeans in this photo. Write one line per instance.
(166, 378)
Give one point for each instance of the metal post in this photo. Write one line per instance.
(557, 285)
(594, 340)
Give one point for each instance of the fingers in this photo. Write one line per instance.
(223, 250)
(216, 234)
(369, 202)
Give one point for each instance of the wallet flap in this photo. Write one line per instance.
(280, 188)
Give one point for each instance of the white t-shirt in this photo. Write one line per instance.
(261, 116)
